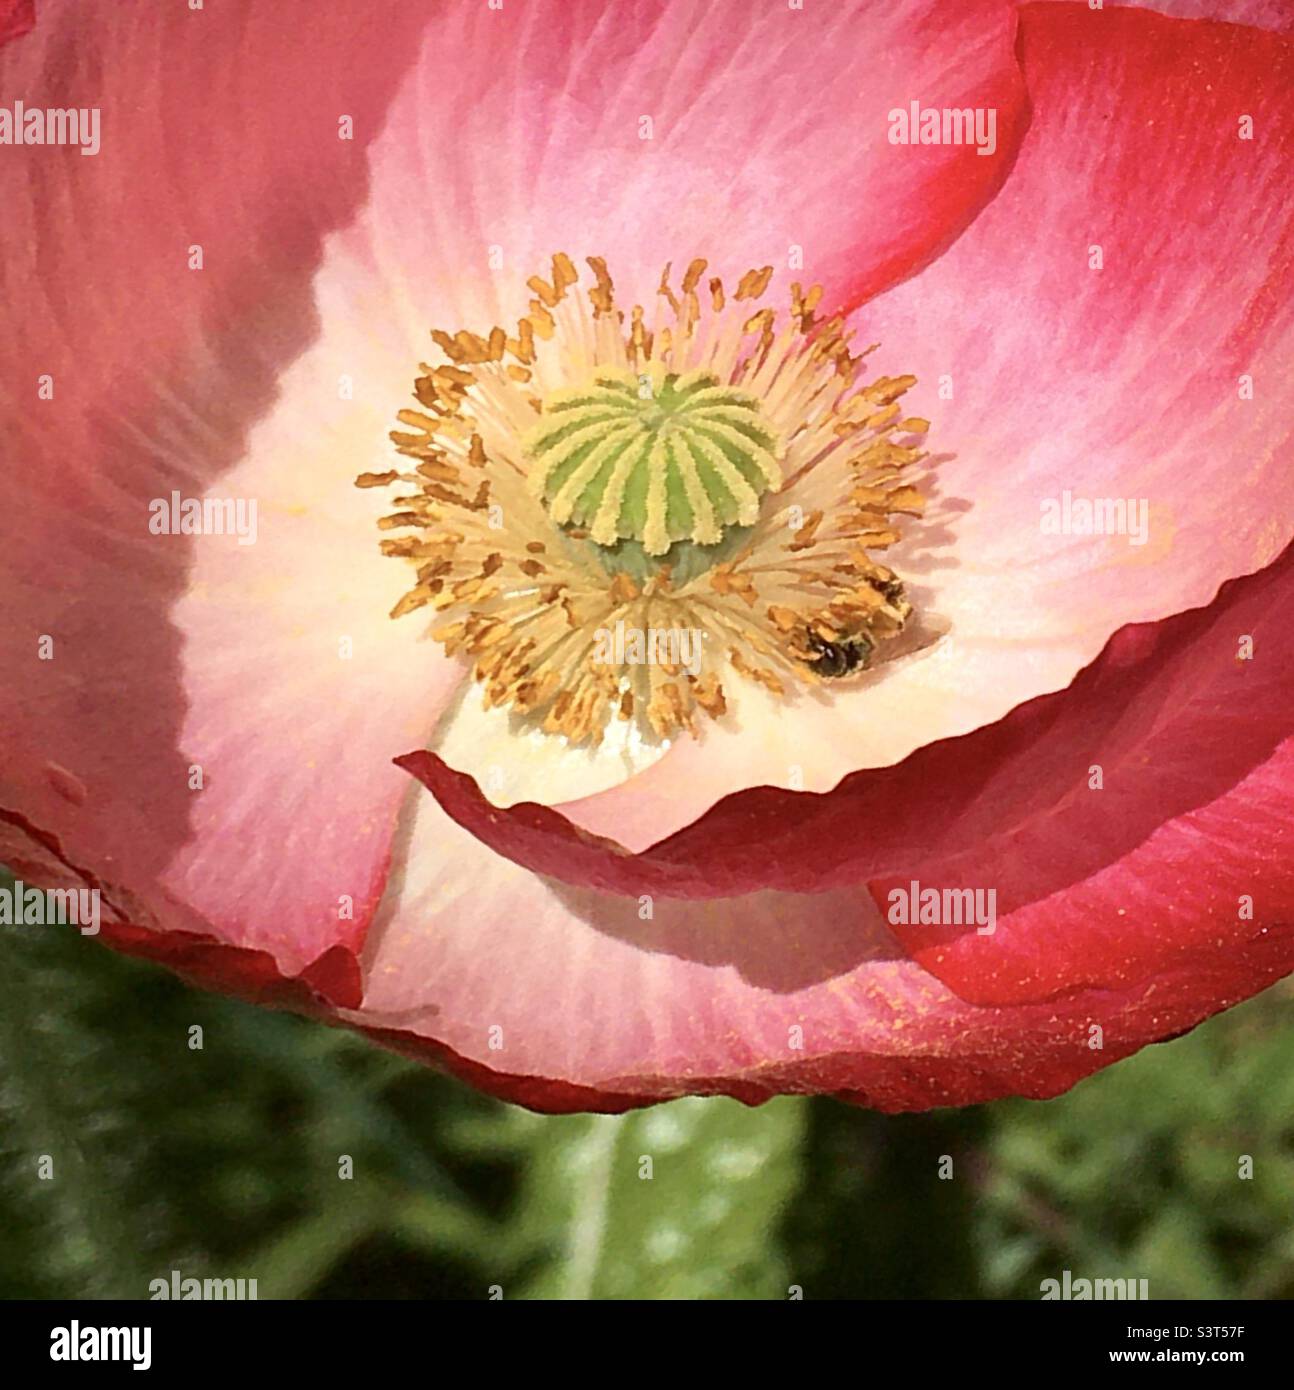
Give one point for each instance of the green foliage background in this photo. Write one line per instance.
(223, 1163)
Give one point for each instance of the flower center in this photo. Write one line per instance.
(656, 458)
(619, 518)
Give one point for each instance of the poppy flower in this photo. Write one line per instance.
(812, 617)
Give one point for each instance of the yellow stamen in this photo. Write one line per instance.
(731, 446)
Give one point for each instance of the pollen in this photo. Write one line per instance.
(715, 474)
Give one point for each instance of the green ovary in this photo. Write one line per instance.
(655, 458)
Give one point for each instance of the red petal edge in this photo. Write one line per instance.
(332, 981)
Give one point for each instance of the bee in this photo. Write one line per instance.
(843, 658)
(849, 654)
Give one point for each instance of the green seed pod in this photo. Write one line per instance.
(656, 458)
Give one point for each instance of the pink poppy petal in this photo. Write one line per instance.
(213, 707)
(160, 372)
(639, 993)
(1130, 382)
(893, 1040)
(650, 133)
